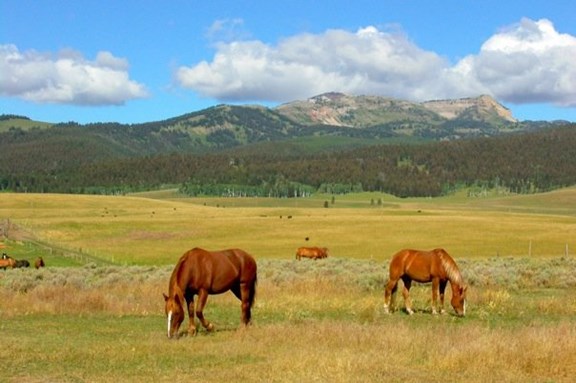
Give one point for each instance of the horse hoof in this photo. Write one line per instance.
(410, 312)
(210, 327)
(192, 332)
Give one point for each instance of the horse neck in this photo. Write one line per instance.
(451, 270)
(178, 282)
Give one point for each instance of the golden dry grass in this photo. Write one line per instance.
(108, 326)
(134, 230)
(313, 321)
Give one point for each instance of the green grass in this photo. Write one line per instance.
(23, 124)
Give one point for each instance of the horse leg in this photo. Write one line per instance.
(247, 298)
(442, 289)
(245, 293)
(202, 298)
(406, 294)
(191, 321)
(435, 285)
(389, 295)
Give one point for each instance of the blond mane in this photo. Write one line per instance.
(450, 267)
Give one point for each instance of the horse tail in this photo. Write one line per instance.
(252, 296)
(251, 299)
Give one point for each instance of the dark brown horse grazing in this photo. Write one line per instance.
(434, 266)
(200, 272)
(21, 263)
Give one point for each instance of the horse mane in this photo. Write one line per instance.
(450, 267)
(174, 288)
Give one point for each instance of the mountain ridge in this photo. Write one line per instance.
(355, 120)
(339, 109)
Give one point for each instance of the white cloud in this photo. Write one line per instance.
(526, 62)
(66, 79)
(226, 30)
(368, 61)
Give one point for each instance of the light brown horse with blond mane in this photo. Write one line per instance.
(201, 272)
(434, 266)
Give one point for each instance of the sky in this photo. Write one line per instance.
(136, 61)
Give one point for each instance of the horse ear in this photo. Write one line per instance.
(464, 289)
(165, 297)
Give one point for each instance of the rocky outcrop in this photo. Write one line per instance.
(479, 107)
(338, 109)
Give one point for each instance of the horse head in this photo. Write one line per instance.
(174, 313)
(459, 299)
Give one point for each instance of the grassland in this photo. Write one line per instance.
(96, 313)
(20, 123)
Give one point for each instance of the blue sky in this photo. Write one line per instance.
(139, 61)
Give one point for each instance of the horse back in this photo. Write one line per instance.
(418, 265)
(214, 271)
(312, 252)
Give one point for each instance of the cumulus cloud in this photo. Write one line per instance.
(68, 78)
(526, 62)
(368, 61)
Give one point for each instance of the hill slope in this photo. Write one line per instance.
(330, 114)
(328, 123)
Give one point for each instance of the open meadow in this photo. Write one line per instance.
(95, 312)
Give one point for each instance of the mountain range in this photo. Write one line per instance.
(335, 118)
(332, 138)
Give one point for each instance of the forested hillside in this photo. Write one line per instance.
(332, 142)
(524, 163)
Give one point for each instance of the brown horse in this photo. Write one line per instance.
(7, 261)
(434, 266)
(39, 262)
(201, 272)
(21, 263)
(311, 252)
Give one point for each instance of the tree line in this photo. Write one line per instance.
(521, 163)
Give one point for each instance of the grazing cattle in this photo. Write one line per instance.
(201, 272)
(39, 262)
(22, 263)
(434, 266)
(312, 253)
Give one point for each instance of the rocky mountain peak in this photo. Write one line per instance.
(479, 107)
(339, 109)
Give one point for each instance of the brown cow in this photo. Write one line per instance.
(312, 252)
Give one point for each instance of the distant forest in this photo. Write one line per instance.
(521, 163)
